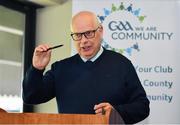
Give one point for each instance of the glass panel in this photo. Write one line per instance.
(11, 47)
(11, 18)
(11, 53)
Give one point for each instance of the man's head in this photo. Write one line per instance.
(87, 34)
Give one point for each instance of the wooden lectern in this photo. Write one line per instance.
(111, 117)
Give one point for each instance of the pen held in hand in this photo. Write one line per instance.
(54, 47)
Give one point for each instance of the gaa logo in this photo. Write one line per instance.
(113, 26)
(119, 23)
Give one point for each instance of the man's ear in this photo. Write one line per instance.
(101, 28)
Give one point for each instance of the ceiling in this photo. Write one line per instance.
(45, 2)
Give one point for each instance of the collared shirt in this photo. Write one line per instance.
(95, 57)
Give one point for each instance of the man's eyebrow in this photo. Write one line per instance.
(81, 32)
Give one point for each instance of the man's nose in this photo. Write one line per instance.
(84, 39)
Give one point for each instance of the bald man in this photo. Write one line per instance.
(92, 81)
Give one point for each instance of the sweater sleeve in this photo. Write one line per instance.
(38, 88)
(137, 106)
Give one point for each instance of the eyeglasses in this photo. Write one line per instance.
(88, 34)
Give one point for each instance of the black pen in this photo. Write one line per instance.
(54, 47)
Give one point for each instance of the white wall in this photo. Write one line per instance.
(53, 28)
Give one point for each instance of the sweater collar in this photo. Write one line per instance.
(95, 57)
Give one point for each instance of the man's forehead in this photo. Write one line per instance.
(84, 14)
(83, 26)
(84, 21)
(83, 29)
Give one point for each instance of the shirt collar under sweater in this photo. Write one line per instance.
(95, 57)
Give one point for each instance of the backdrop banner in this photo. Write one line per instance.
(148, 33)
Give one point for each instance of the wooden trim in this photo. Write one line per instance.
(110, 117)
(2, 111)
(40, 118)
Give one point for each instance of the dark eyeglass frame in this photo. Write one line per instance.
(85, 34)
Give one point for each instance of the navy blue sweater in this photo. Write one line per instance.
(78, 86)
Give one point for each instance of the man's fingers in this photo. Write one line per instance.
(101, 105)
(103, 111)
(100, 110)
(98, 113)
(41, 56)
(42, 48)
